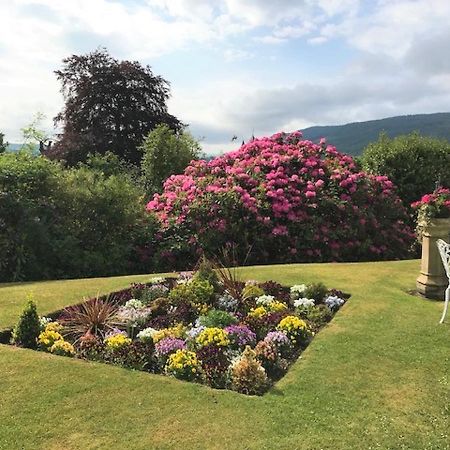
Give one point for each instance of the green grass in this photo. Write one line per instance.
(377, 377)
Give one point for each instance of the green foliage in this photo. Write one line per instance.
(318, 316)
(30, 198)
(58, 223)
(33, 134)
(414, 163)
(217, 318)
(166, 153)
(196, 292)
(3, 144)
(28, 328)
(205, 272)
(317, 291)
(251, 292)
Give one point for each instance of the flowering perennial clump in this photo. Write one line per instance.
(117, 341)
(246, 346)
(169, 345)
(213, 336)
(184, 365)
(292, 199)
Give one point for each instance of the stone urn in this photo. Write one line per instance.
(432, 280)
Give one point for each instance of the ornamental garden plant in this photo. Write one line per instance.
(206, 327)
(280, 199)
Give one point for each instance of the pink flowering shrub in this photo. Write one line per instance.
(433, 206)
(284, 199)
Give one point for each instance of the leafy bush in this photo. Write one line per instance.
(280, 199)
(316, 291)
(28, 328)
(215, 363)
(166, 153)
(197, 292)
(217, 318)
(247, 374)
(57, 223)
(412, 162)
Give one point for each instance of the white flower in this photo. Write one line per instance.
(134, 303)
(303, 302)
(146, 334)
(195, 331)
(265, 300)
(251, 283)
(156, 280)
(334, 302)
(297, 290)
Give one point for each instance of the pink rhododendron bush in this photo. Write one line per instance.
(280, 199)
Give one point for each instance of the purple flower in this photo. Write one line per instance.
(277, 338)
(241, 335)
(169, 345)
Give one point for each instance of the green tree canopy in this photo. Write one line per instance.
(413, 162)
(166, 153)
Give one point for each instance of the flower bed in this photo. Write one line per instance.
(218, 331)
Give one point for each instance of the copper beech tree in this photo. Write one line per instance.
(109, 105)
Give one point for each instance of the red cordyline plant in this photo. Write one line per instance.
(286, 199)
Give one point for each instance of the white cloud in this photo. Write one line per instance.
(397, 61)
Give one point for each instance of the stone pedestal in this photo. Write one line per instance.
(432, 280)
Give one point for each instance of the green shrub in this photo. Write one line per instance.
(196, 292)
(57, 223)
(318, 316)
(317, 291)
(412, 162)
(205, 272)
(217, 318)
(166, 153)
(28, 328)
(251, 292)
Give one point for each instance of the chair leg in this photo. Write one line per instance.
(447, 298)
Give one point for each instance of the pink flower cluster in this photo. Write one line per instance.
(435, 205)
(285, 199)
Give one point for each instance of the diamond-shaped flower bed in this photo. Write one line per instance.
(199, 327)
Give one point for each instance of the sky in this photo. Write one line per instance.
(237, 67)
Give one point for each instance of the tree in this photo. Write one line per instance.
(166, 153)
(414, 163)
(3, 144)
(110, 105)
(34, 137)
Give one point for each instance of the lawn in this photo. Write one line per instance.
(378, 376)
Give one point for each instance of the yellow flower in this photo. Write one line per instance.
(53, 326)
(258, 312)
(47, 338)
(276, 306)
(213, 335)
(117, 341)
(177, 331)
(293, 327)
(62, 348)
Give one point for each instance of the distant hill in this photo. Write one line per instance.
(352, 138)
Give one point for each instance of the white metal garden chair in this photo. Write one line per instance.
(444, 251)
